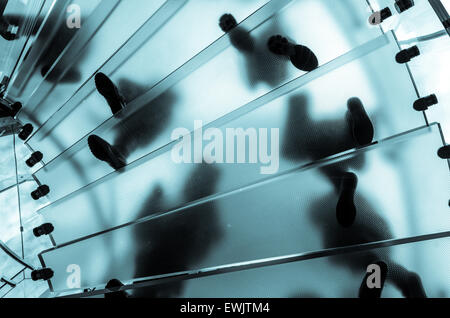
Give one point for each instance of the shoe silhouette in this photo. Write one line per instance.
(227, 22)
(360, 123)
(103, 151)
(365, 291)
(110, 92)
(345, 208)
(301, 56)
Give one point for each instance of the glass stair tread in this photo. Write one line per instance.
(244, 224)
(311, 278)
(165, 18)
(275, 109)
(230, 60)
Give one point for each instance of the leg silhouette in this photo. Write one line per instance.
(260, 64)
(179, 241)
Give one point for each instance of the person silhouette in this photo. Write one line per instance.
(310, 140)
(368, 226)
(261, 65)
(133, 132)
(178, 242)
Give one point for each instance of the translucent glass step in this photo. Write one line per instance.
(188, 96)
(361, 72)
(165, 19)
(294, 212)
(67, 66)
(336, 276)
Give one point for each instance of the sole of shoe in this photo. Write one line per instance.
(360, 123)
(110, 92)
(105, 152)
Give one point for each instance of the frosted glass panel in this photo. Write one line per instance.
(290, 213)
(300, 103)
(162, 49)
(335, 276)
(262, 72)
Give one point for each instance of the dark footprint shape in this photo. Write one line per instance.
(365, 291)
(301, 56)
(345, 208)
(110, 92)
(103, 151)
(227, 22)
(360, 123)
(239, 38)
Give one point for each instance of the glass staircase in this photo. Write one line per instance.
(166, 229)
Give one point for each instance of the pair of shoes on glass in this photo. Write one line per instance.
(99, 147)
(301, 56)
